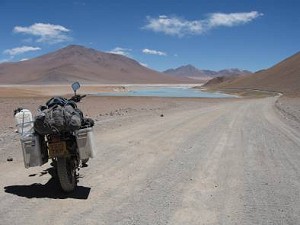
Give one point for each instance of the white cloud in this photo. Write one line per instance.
(120, 51)
(180, 27)
(231, 19)
(4, 60)
(153, 52)
(144, 64)
(173, 25)
(46, 33)
(20, 50)
(22, 60)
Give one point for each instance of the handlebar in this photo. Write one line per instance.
(77, 98)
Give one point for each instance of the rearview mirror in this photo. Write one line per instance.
(75, 86)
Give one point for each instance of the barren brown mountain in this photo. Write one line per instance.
(190, 71)
(222, 80)
(83, 64)
(283, 77)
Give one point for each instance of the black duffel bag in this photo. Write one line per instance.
(58, 119)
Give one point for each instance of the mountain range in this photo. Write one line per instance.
(282, 77)
(190, 71)
(77, 63)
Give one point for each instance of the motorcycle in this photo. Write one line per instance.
(60, 133)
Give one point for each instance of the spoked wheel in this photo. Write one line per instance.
(66, 171)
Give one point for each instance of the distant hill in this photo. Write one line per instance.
(219, 81)
(81, 64)
(190, 71)
(282, 77)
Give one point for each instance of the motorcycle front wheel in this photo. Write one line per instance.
(66, 172)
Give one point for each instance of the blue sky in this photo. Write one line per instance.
(162, 34)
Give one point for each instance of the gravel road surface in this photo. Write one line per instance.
(233, 162)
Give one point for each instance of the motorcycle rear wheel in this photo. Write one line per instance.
(66, 172)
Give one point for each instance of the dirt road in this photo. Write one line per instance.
(225, 163)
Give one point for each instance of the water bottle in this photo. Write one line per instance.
(24, 122)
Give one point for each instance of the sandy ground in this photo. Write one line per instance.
(165, 161)
(12, 91)
(51, 90)
(289, 109)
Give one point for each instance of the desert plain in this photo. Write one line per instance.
(162, 161)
